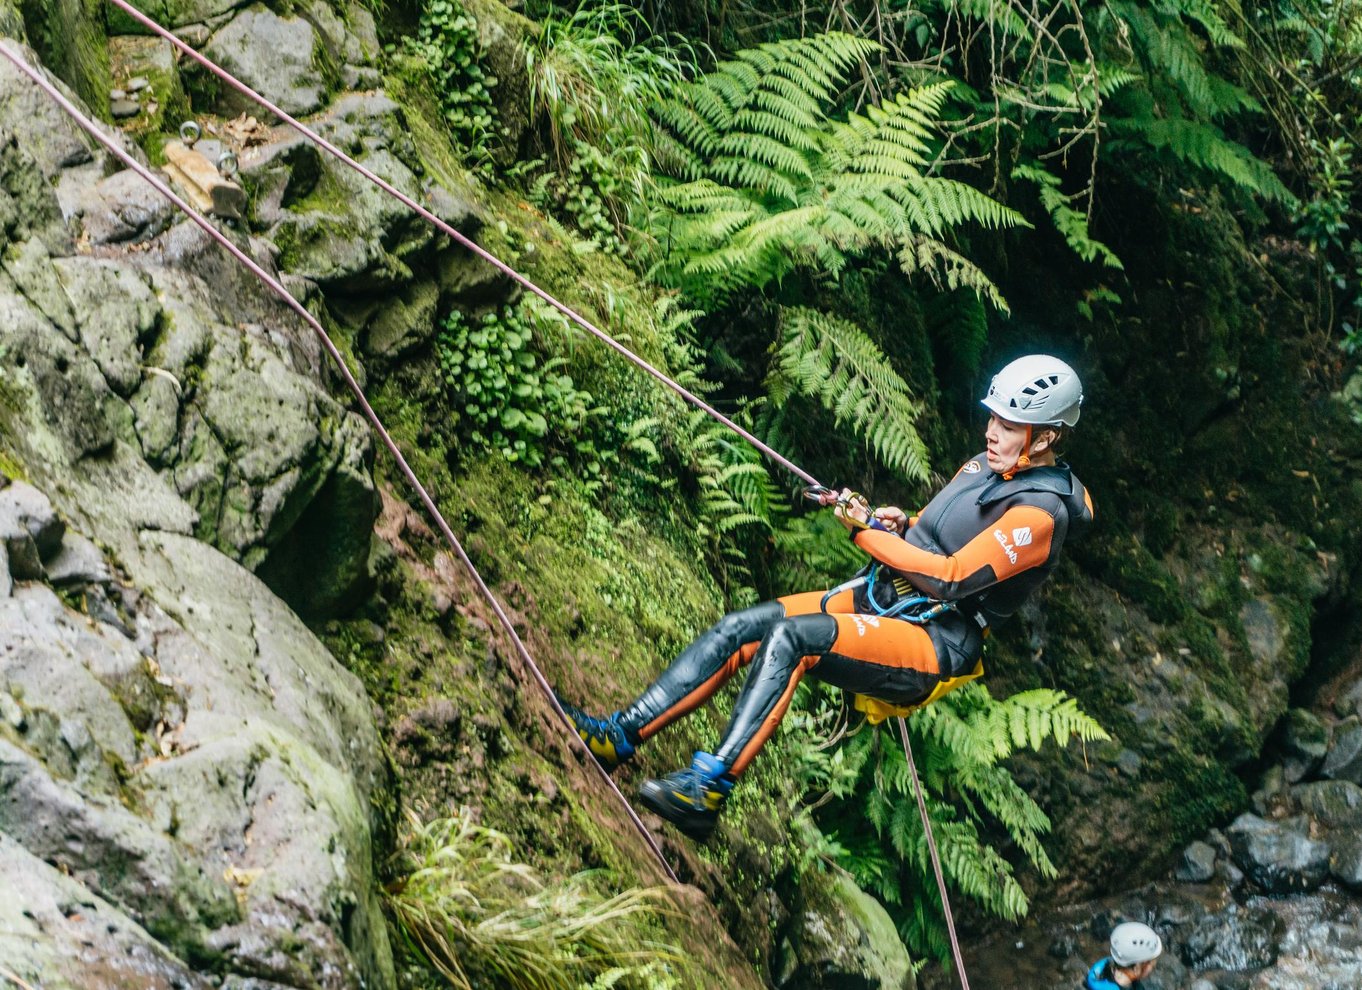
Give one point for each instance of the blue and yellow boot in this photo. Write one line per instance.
(691, 799)
(608, 741)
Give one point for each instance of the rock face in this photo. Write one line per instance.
(847, 943)
(279, 57)
(1278, 856)
(179, 756)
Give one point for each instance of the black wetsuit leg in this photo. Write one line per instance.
(701, 669)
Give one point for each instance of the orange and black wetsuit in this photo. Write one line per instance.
(983, 542)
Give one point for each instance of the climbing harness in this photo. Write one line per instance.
(391, 445)
(877, 711)
(908, 608)
(429, 503)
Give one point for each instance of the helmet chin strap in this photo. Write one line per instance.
(1024, 461)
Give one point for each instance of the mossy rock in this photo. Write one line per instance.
(69, 35)
(162, 101)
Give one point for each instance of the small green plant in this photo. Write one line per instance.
(591, 84)
(480, 918)
(588, 191)
(447, 43)
(503, 389)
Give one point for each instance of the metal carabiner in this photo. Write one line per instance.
(190, 132)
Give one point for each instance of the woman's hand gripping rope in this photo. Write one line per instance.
(853, 511)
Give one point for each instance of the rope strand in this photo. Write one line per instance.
(463, 240)
(931, 847)
(278, 289)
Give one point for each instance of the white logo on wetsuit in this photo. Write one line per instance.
(1022, 537)
(864, 620)
(1008, 548)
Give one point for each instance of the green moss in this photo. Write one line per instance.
(69, 35)
(11, 468)
(1193, 790)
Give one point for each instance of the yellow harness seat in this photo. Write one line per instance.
(877, 711)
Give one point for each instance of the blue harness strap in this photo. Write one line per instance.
(901, 608)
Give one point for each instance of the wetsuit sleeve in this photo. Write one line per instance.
(1024, 536)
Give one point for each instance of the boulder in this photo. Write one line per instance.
(1343, 761)
(1332, 803)
(404, 322)
(152, 877)
(1197, 864)
(28, 206)
(1236, 939)
(1345, 861)
(116, 309)
(279, 57)
(27, 517)
(1305, 740)
(1278, 856)
(77, 561)
(122, 209)
(844, 938)
(61, 936)
(214, 770)
(50, 137)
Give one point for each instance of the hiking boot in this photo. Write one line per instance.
(690, 799)
(608, 741)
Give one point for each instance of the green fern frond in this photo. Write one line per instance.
(1205, 147)
(948, 269)
(759, 177)
(1204, 13)
(796, 190)
(960, 322)
(834, 362)
(1071, 223)
(814, 552)
(1034, 716)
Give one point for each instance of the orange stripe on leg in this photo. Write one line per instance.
(772, 720)
(703, 693)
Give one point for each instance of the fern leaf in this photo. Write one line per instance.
(948, 268)
(1203, 146)
(836, 363)
(1071, 223)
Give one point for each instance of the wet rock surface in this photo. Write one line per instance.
(187, 777)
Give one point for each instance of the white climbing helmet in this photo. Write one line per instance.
(1133, 943)
(1036, 390)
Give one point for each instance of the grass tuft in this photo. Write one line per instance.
(482, 919)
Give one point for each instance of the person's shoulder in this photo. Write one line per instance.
(1097, 978)
(1081, 500)
(974, 466)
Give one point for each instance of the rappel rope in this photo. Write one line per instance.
(274, 285)
(406, 470)
(462, 239)
(931, 847)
